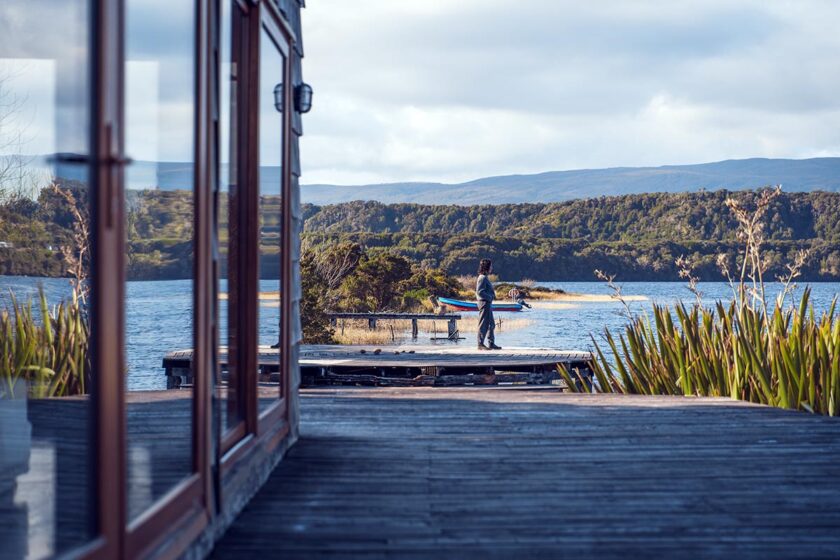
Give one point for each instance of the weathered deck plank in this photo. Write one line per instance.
(516, 472)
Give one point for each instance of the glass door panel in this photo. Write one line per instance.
(272, 97)
(230, 390)
(46, 472)
(159, 208)
(230, 415)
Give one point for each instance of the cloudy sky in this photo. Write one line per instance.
(451, 90)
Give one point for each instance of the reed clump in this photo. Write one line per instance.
(750, 348)
(46, 347)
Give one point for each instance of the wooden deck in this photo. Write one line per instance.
(515, 472)
(448, 364)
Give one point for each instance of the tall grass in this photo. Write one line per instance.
(387, 331)
(748, 348)
(45, 347)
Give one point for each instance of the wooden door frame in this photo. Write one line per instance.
(106, 166)
(171, 524)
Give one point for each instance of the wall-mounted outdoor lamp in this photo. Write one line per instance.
(278, 97)
(303, 98)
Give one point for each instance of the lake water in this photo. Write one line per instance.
(570, 328)
(158, 316)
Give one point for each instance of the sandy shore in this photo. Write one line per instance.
(262, 296)
(542, 304)
(542, 300)
(572, 301)
(581, 298)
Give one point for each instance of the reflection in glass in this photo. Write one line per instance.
(45, 375)
(272, 65)
(159, 106)
(230, 399)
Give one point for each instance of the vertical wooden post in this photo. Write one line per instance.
(372, 324)
(414, 328)
(204, 272)
(453, 330)
(107, 312)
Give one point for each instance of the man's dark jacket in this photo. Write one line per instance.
(484, 289)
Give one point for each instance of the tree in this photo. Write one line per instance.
(377, 283)
(18, 179)
(313, 317)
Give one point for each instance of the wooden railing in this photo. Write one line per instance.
(451, 319)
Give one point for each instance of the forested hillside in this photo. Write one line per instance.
(636, 236)
(697, 216)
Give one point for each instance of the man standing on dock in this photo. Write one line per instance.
(485, 294)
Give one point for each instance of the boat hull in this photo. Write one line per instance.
(461, 305)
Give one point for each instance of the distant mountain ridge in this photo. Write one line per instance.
(795, 175)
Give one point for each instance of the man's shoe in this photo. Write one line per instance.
(482, 347)
(494, 347)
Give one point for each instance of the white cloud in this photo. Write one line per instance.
(457, 90)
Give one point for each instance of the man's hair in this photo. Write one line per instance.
(484, 266)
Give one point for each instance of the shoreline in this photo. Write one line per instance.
(570, 298)
(800, 281)
(572, 301)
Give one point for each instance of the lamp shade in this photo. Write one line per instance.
(303, 98)
(278, 97)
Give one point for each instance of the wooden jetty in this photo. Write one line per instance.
(371, 318)
(518, 472)
(401, 365)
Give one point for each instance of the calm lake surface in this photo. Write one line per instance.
(159, 315)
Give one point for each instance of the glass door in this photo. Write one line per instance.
(231, 221)
(166, 212)
(47, 376)
(272, 235)
(252, 223)
(159, 210)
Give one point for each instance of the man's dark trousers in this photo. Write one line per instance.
(486, 326)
